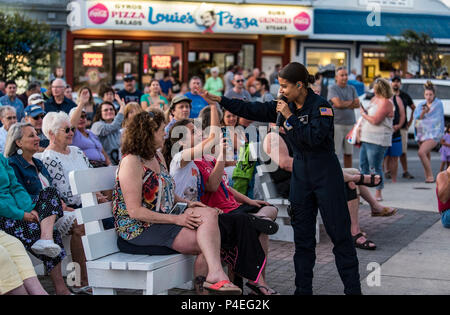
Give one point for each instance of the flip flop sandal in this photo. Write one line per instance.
(219, 289)
(87, 290)
(264, 226)
(385, 212)
(256, 289)
(365, 245)
(372, 180)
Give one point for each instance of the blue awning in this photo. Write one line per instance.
(340, 22)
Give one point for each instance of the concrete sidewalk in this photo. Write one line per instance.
(412, 249)
(422, 267)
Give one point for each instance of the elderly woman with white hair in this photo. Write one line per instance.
(214, 84)
(34, 229)
(60, 158)
(8, 117)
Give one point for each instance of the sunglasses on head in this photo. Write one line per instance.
(69, 129)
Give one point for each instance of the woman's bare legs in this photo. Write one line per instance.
(76, 247)
(58, 281)
(375, 206)
(206, 239)
(34, 287)
(47, 227)
(30, 286)
(271, 213)
(425, 157)
(393, 167)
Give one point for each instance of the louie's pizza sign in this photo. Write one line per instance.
(195, 17)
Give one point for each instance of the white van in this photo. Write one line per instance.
(414, 87)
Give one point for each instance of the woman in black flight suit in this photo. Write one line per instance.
(317, 181)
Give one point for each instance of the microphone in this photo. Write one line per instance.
(279, 115)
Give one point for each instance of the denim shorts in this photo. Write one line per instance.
(396, 149)
(445, 218)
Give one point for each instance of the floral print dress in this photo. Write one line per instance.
(152, 185)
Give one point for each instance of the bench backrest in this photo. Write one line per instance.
(97, 242)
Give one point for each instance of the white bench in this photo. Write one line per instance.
(269, 192)
(108, 268)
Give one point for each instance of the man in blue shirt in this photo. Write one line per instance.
(130, 93)
(58, 102)
(11, 99)
(198, 102)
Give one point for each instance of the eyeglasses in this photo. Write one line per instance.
(107, 110)
(58, 87)
(69, 129)
(11, 117)
(38, 117)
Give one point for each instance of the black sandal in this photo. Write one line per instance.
(365, 245)
(264, 226)
(372, 180)
(256, 289)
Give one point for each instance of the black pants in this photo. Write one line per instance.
(322, 188)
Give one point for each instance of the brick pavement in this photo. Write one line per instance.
(390, 234)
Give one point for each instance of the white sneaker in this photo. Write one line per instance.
(64, 224)
(46, 248)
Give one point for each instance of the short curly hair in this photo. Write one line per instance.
(139, 136)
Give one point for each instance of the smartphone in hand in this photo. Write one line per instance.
(363, 108)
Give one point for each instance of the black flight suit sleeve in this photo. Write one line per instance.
(263, 112)
(316, 131)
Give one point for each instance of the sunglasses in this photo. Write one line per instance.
(239, 81)
(11, 117)
(69, 129)
(83, 116)
(38, 117)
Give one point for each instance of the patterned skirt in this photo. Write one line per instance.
(48, 203)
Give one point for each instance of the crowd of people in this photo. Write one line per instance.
(155, 137)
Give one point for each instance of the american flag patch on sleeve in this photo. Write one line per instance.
(325, 111)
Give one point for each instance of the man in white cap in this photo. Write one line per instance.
(214, 84)
(36, 99)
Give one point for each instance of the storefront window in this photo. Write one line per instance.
(92, 64)
(246, 57)
(316, 58)
(159, 57)
(445, 59)
(376, 64)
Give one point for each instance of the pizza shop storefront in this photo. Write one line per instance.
(148, 38)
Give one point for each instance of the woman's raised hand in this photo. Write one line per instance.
(84, 97)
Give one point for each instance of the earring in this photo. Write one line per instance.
(19, 151)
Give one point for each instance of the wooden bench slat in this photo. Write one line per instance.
(155, 262)
(100, 244)
(104, 179)
(94, 213)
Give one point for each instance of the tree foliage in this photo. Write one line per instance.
(26, 47)
(419, 47)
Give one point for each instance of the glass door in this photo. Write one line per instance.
(126, 62)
